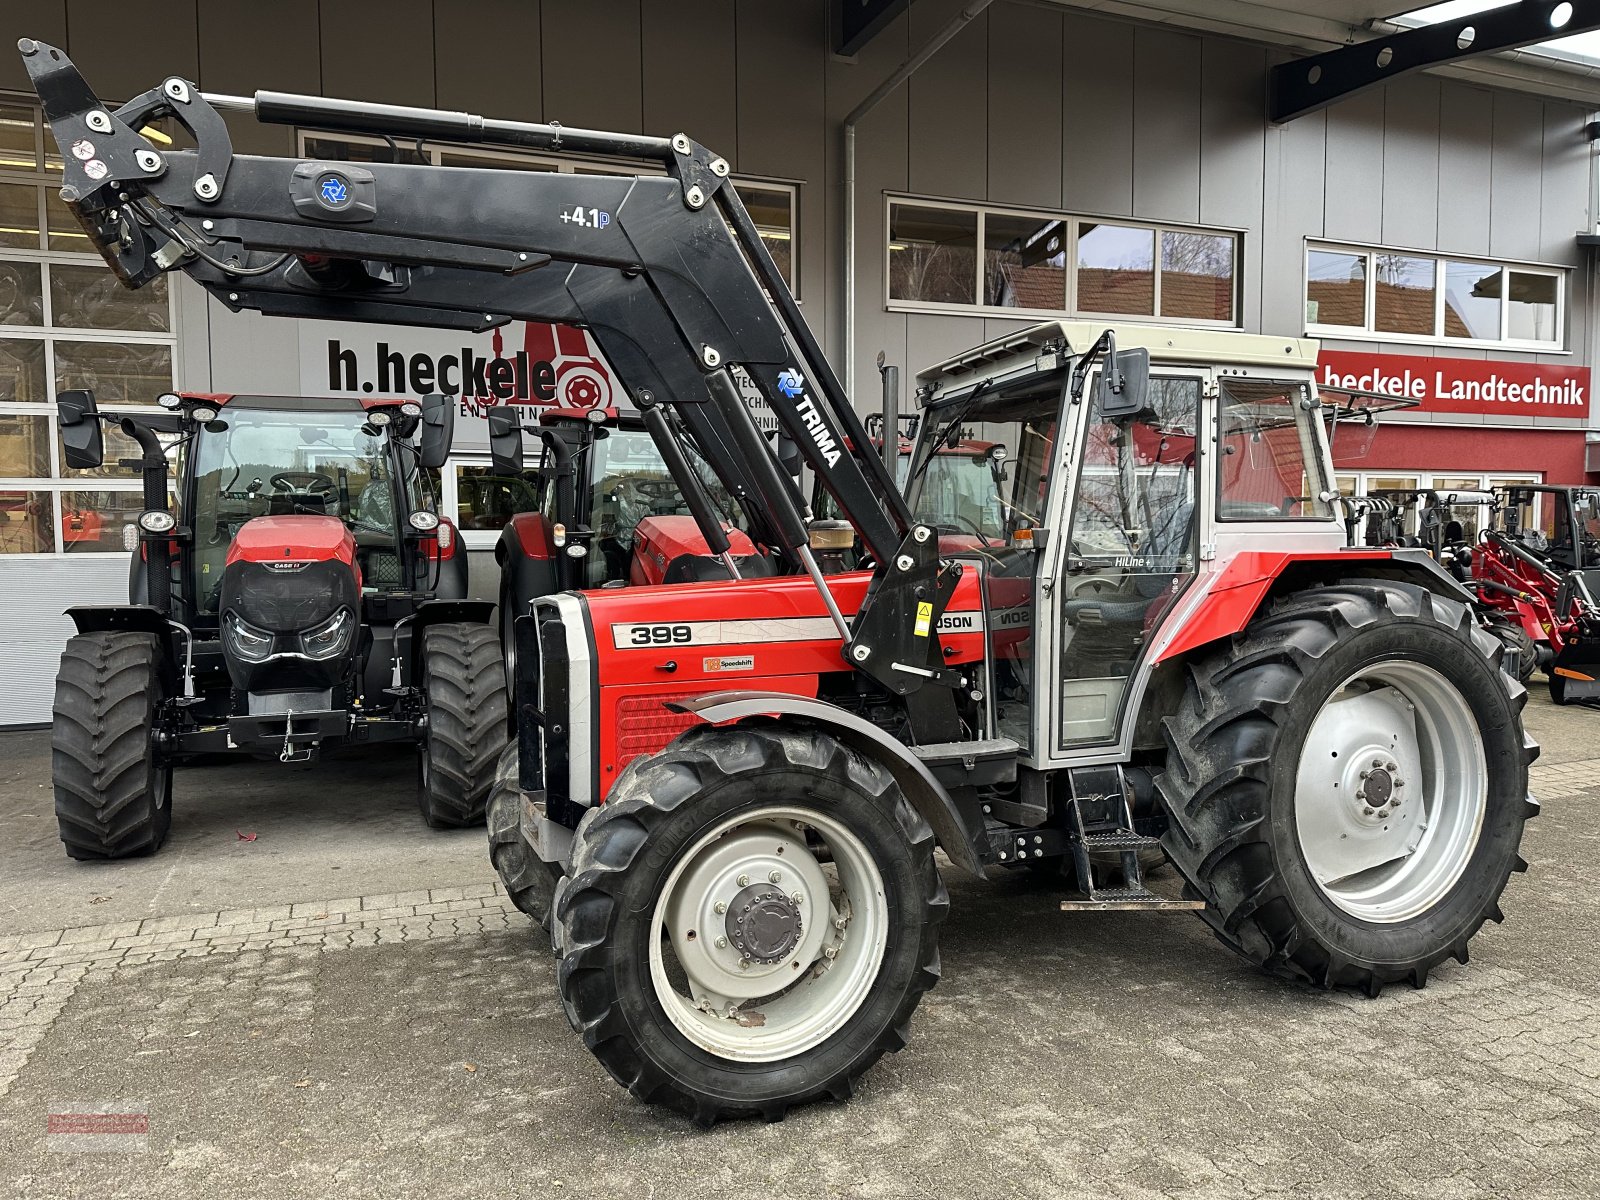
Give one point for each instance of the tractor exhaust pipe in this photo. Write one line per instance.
(157, 547)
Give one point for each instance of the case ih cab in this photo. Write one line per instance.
(741, 783)
(304, 595)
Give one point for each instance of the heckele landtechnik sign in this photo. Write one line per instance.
(1463, 385)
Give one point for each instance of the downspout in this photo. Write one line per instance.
(906, 69)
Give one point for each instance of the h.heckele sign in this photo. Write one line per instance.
(525, 362)
(1463, 385)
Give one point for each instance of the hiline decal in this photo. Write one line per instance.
(793, 385)
(645, 636)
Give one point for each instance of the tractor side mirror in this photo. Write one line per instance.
(1123, 389)
(82, 441)
(505, 440)
(788, 455)
(438, 426)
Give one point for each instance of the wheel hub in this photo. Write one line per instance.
(764, 924)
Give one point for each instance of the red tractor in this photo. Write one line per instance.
(303, 595)
(737, 787)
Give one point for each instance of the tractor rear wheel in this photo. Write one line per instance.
(712, 958)
(465, 688)
(529, 880)
(1347, 783)
(113, 793)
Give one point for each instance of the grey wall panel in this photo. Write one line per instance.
(690, 81)
(489, 58)
(253, 353)
(1564, 196)
(246, 46)
(931, 339)
(44, 20)
(1166, 125)
(1098, 116)
(949, 106)
(1232, 135)
(1296, 160)
(1353, 176)
(1411, 163)
(193, 324)
(123, 53)
(1465, 118)
(35, 597)
(1516, 185)
(1025, 73)
(396, 69)
(592, 71)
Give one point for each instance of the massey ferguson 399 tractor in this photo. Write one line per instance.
(741, 783)
(304, 595)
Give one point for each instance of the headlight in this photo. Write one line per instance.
(329, 639)
(203, 413)
(247, 643)
(377, 418)
(411, 408)
(169, 400)
(424, 522)
(157, 520)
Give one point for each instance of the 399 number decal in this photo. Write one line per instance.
(660, 635)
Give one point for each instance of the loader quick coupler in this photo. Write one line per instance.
(893, 635)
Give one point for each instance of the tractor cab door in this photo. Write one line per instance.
(1132, 540)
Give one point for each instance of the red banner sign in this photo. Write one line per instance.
(1462, 385)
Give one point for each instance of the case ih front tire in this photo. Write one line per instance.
(529, 880)
(466, 691)
(113, 795)
(1347, 784)
(700, 861)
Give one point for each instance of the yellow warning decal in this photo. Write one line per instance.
(924, 619)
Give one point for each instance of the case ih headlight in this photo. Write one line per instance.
(424, 522)
(247, 643)
(329, 639)
(377, 418)
(170, 400)
(157, 520)
(411, 408)
(204, 414)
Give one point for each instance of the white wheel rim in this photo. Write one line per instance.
(1391, 792)
(769, 1010)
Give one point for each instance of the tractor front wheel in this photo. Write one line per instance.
(1516, 638)
(750, 920)
(529, 880)
(1347, 783)
(465, 688)
(113, 793)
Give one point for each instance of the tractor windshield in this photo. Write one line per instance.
(273, 461)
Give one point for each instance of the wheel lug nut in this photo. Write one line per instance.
(743, 881)
(744, 964)
(1392, 767)
(722, 943)
(775, 877)
(1367, 812)
(799, 898)
(1364, 774)
(721, 908)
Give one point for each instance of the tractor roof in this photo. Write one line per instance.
(297, 403)
(1168, 344)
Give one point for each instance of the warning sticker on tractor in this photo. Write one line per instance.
(924, 619)
(714, 666)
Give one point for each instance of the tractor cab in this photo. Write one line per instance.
(1561, 524)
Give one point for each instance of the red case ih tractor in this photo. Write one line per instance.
(304, 595)
(742, 783)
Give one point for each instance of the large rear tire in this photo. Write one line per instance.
(1347, 783)
(529, 880)
(704, 858)
(466, 729)
(113, 794)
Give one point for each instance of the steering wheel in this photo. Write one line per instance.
(957, 520)
(313, 482)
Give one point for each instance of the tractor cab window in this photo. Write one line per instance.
(1269, 467)
(1131, 548)
(627, 483)
(270, 462)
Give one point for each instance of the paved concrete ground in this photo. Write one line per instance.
(407, 1039)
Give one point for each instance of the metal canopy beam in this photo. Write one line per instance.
(1307, 84)
(857, 22)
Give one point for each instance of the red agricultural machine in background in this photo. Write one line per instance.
(737, 786)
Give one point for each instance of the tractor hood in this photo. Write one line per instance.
(287, 543)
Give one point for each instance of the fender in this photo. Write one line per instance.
(131, 618)
(439, 612)
(927, 795)
(1235, 594)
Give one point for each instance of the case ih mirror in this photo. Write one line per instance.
(82, 442)
(1148, 644)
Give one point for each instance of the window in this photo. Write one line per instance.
(998, 260)
(1269, 465)
(772, 206)
(1399, 296)
(65, 322)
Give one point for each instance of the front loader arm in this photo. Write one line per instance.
(681, 245)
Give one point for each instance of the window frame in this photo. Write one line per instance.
(1073, 222)
(1367, 331)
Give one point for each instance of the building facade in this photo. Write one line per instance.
(1045, 162)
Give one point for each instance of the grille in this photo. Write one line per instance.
(644, 725)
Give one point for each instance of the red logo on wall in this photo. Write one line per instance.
(1462, 385)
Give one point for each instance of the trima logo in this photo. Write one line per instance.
(793, 385)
